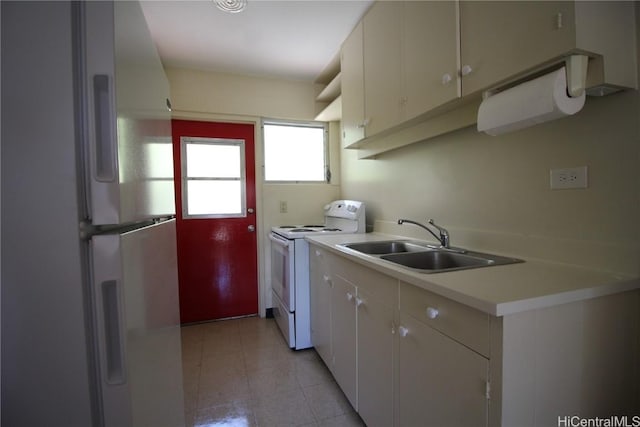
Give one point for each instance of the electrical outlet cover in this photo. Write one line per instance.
(567, 178)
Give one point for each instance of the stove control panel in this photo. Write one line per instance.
(349, 209)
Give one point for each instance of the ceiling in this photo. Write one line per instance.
(288, 39)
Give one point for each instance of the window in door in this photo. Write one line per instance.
(296, 152)
(213, 178)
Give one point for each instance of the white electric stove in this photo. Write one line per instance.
(290, 267)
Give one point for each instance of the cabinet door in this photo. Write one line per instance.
(441, 382)
(430, 55)
(382, 70)
(352, 81)
(500, 39)
(320, 304)
(343, 332)
(375, 360)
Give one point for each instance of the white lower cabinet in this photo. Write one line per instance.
(440, 381)
(411, 375)
(375, 359)
(320, 304)
(408, 357)
(352, 329)
(343, 330)
(443, 361)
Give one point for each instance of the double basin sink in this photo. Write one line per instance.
(426, 258)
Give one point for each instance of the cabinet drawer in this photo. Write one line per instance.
(320, 260)
(464, 324)
(383, 287)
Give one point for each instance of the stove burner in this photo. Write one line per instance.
(288, 226)
(301, 230)
(313, 226)
(331, 229)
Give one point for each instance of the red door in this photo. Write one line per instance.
(216, 220)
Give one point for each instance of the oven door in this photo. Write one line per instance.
(282, 270)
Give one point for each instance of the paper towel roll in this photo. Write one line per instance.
(536, 101)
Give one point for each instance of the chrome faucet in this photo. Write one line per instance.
(444, 234)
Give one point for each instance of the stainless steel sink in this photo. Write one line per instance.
(385, 247)
(438, 260)
(425, 258)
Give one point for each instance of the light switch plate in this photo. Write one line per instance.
(562, 179)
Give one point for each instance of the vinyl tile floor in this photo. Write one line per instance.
(240, 373)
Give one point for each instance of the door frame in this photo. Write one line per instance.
(259, 161)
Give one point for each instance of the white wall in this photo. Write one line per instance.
(493, 192)
(199, 95)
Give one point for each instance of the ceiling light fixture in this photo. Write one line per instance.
(231, 6)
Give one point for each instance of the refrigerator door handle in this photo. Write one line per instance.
(114, 366)
(105, 141)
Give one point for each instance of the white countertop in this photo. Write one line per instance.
(496, 290)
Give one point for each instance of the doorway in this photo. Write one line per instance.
(214, 166)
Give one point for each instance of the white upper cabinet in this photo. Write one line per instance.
(502, 40)
(407, 61)
(410, 60)
(429, 55)
(382, 66)
(352, 88)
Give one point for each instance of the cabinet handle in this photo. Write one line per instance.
(446, 79)
(364, 123)
(349, 296)
(466, 70)
(327, 280)
(403, 331)
(432, 313)
(359, 302)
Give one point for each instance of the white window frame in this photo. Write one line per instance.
(184, 141)
(327, 167)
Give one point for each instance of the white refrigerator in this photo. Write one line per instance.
(90, 324)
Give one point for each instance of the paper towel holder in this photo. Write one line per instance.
(576, 66)
(576, 69)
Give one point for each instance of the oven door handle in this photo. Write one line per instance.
(279, 240)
